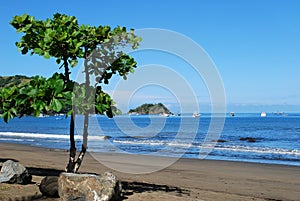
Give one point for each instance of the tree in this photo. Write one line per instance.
(67, 41)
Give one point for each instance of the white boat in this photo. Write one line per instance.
(196, 114)
(43, 115)
(263, 114)
(164, 115)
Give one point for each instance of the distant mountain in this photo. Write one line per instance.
(16, 80)
(147, 108)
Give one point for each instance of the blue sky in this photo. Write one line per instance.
(255, 45)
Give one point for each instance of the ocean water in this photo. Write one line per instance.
(273, 139)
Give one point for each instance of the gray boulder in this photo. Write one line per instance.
(13, 172)
(89, 187)
(49, 186)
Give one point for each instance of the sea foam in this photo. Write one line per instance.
(49, 136)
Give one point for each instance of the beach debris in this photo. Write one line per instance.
(14, 172)
(49, 186)
(104, 187)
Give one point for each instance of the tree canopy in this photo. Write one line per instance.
(67, 41)
(62, 38)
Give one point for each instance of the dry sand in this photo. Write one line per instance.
(187, 179)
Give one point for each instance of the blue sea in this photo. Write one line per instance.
(274, 139)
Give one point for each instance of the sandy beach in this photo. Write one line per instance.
(186, 179)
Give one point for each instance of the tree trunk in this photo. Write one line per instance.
(84, 143)
(71, 165)
(88, 93)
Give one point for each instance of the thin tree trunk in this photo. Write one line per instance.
(84, 143)
(71, 163)
(88, 93)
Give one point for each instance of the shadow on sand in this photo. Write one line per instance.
(129, 188)
(2, 160)
(44, 172)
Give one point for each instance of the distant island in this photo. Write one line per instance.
(149, 108)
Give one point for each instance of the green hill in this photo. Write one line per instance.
(16, 80)
(147, 108)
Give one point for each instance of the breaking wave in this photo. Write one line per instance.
(18, 136)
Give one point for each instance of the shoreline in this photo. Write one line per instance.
(209, 157)
(190, 179)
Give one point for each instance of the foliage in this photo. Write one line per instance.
(38, 95)
(98, 102)
(67, 41)
(42, 95)
(63, 38)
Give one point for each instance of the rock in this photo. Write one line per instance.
(13, 172)
(220, 140)
(248, 139)
(49, 186)
(89, 187)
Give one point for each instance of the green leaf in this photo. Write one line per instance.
(59, 85)
(24, 16)
(33, 92)
(131, 70)
(6, 117)
(38, 51)
(13, 111)
(99, 109)
(46, 55)
(56, 105)
(39, 105)
(78, 45)
(67, 94)
(69, 112)
(47, 39)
